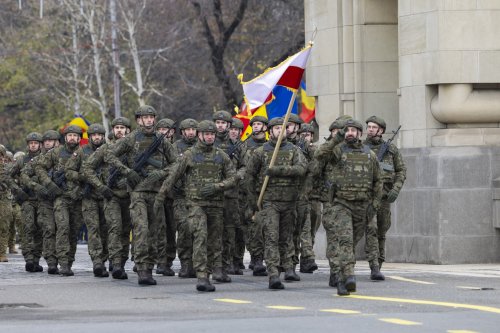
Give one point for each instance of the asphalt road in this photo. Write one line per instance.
(414, 298)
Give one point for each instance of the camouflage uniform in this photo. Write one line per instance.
(5, 205)
(67, 203)
(358, 190)
(393, 177)
(205, 168)
(184, 234)
(143, 187)
(279, 203)
(92, 204)
(116, 207)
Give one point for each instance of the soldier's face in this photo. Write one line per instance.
(119, 131)
(258, 127)
(189, 133)
(33, 146)
(234, 133)
(275, 131)
(49, 144)
(334, 131)
(148, 121)
(97, 139)
(72, 138)
(163, 130)
(373, 130)
(352, 134)
(207, 137)
(291, 129)
(221, 125)
(307, 136)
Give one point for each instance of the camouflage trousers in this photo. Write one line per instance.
(145, 224)
(5, 210)
(117, 214)
(332, 241)
(46, 219)
(97, 229)
(33, 230)
(167, 247)
(302, 242)
(278, 219)
(316, 218)
(240, 235)
(17, 223)
(350, 223)
(184, 233)
(206, 224)
(69, 220)
(255, 236)
(383, 225)
(231, 219)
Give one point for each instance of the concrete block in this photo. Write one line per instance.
(489, 62)
(424, 6)
(380, 43)
(459, 4)
(466, 249)
(406, 70)
(378, 77)
(347, 12)
(426, 204)
(348, 77)
(404, 7)
(328, 53)
(347, 44)
(384, 105)
(380, 11)
(432, 31)
(405, 214)
(412, 34)
(323, 80)
(427, 170)
(411, 172)
(465, 172)
(488, 4)
(320, 14)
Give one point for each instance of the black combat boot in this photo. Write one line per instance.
(236, 268)
(350, 283)
(275, 282)
(168, 269)
(119, 273)
(30, 266)
(104, 273)
(290, 275)
(145, 277)
(220, 275)
(161, 268)
(333, 280)
(230, 269)
(183, 272)
(259, 269)
(98, 269)
(252, 263)
(53, 270)
(204, 285)
(240, 263)
(66, 270)
(375, 274)
(308, 266)
(37, 267)
(341, 289)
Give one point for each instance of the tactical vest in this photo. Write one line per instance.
(387, 163)
(181, 146)
(142, 143)
(204, 168)
(279, 188)
(64, 155)
(354, 174)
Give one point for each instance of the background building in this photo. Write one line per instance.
(432, 66)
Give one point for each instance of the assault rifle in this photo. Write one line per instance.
(59, 178)
(141, 160)
(234, 151)
(114, 173)
(384, 148)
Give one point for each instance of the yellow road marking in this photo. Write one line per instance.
(342, 311)
(231, 300)
(400, 278)
(399, 321)
(461, 331)
(285, 307)
(418, 301)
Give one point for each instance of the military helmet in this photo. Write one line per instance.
(237, 123)
(307, 128)
(73, 129)
(222, 115)
(34, 136)
(19, 154)
(206, 126)
(96, 128)
(165, 123)
(10, 155)
(188, 123)
(261, 119)
(51, 135)
(377, 120)
(354, 123)
(339, 123)
(295, 119)
(121, 121)
(275, 122)
(146, 110)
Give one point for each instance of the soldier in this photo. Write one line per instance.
(292, 128)
(92, 201)
(279, 205)
(116, 199)
(184, 235)
(393, 177)
(5, 204)
(33, 246)
(255, 235)
(148, 154)
(358, 191)
(67, 204)
(167, 248)
(16, 225)
(208, 172)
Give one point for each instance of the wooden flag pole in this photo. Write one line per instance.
(277, 148)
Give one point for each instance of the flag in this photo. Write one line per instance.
(308, 111)
(81, 122)
(245, 115)
(288, 74)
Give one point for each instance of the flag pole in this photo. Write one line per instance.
(277, 148)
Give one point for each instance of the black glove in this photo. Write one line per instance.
(106, 192)
(54, 190)
(133, 178)
(392, 195)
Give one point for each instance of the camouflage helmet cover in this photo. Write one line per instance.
(260, 119)
(121, 121)
(237, 123)
(188, 123)
(34, 136)
(165, 123)
(146, 110)
(96, 129)
(222, 115)
(206, 126)
(51, 135)
(354, 123)
(73, 129)
(377, 120)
